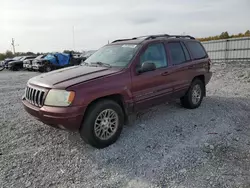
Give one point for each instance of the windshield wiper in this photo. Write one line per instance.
(100, 64)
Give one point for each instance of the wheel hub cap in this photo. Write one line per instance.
(106, 124)
(196, 94)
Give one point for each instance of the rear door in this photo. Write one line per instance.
(151, 88)
(181, 67)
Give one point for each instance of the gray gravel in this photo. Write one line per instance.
(166, 146)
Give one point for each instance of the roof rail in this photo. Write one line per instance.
(182, 36)
(148, 37)
(156, 36)
(119, 40)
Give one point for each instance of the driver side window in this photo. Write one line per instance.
(156, 54)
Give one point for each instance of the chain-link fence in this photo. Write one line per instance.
(234, 49)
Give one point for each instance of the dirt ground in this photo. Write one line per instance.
(166, 146)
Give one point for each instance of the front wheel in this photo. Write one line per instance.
(2, 67)
(47, 68)
(103, 123)
(193, 98)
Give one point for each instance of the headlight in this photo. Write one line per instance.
(59, 98)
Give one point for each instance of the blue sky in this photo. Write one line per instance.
(47, 25)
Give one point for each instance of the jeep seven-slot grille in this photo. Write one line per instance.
(35, 96)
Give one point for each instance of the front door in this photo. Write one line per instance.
(153, 87)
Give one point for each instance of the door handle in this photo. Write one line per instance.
(165, 74)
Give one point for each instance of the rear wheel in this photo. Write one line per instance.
(103, 123)
(193, 98)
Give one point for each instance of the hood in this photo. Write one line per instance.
(16, 61)
(8, 60)
(63, 78)
(38, 60)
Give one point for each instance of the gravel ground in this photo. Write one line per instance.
(166, 146)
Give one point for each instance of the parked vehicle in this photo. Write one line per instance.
(27, 64)
(87, 55)
(121, 78)
(4, 64)
(55, 61)
(18, 64)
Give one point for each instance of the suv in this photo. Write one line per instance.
(121, 78)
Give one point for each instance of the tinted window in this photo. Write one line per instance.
(156, 54)
(176, 53)
(197, 50)
(187, 55)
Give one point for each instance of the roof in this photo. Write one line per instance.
(142, 39)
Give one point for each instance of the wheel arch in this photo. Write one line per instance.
(118, 98)
(202, 78)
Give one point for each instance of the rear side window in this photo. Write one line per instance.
(176, 53)
(196, 49)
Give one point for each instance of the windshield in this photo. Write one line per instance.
(17, 58)
(114, 55)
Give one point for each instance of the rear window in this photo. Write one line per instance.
(196, 50)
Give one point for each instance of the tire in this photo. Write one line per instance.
(188, 100)
(47, 68)
(87, 130)
(14, 68)
(2, 67)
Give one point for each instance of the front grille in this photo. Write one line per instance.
(35, 96)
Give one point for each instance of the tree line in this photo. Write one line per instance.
(225, 35)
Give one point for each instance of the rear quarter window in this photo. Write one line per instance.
(196, 50)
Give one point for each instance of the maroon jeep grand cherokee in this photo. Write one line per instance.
(128, 75)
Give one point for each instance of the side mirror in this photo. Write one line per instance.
(147, 66)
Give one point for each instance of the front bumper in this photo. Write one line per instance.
(69, 118)
(37, 67)
(27, 66)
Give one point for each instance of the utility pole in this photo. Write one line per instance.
(13, 45)
(73, 38)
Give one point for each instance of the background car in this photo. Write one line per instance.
(86, 55)
(55, 61)
(18, 64)
(27, 64)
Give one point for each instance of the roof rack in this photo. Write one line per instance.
(119, 40)
(182, 36)
(148, 37)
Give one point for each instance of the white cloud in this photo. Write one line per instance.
(47, 25)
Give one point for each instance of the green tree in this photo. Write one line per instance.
(224, 35)
(9, 54)
(247, 33)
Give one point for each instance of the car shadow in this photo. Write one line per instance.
(162, 134)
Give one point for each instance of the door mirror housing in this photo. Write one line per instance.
(146, 67)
